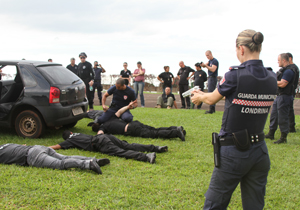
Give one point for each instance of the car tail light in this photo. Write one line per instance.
(54, 95)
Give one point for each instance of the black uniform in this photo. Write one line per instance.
(184, 84)
(86, 73)
(167, 77)
(200, 77)
(135, 128)
(291, 113)
(125, 74)
(74, 68)
(110, 145)
(250, 90)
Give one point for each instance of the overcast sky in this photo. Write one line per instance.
(156, 32)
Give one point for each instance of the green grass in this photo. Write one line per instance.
(178, 180)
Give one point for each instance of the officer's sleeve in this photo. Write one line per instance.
(228, 83)
(102, 128)
(173, 97)
(92, 74)
(66, 145)
(178, 72)
(204, 76)
(172, 75)
(191, 70)
(288, 75)
(132, 95)
(111, 90)
(215, 62)
(121, 73)
(160, 76)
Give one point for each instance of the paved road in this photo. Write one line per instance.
(150, 101)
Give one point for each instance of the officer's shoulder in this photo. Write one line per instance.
(236, 67)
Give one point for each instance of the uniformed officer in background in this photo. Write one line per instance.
(86, 73)
(167, 78)
(212, 69)
(283, 102)
(72, 66)
(200, 77)
(243, 157)
(183, 76)
(97, 81)
(296, 81)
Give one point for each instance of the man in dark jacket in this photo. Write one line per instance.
(109, 144)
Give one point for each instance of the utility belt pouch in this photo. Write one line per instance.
(112, 105)
(216, 144)
(241, 140)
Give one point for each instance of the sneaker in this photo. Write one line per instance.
(94, 166)
(162, 149)
(292, 130)
(102, 161)
(151, 157)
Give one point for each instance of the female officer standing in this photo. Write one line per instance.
(241, 154)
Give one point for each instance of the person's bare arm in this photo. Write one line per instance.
(160, 79)
(173, 81)
(188, 78)
(208, 98)
(103, 70)
(212, 68)
(131, 105)
(175, 104)
(105, 108)
(57, 146)
(282, 83)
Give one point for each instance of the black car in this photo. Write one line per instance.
(36, 95)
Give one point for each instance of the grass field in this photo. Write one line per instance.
(178, 180)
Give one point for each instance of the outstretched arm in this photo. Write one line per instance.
(55, 147)
(131, 105)
(105, 108)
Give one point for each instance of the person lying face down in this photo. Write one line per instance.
(45, 157)
(109, 144)
(135, 128)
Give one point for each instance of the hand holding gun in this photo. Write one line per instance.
(189, 92)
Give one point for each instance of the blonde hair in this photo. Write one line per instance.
(250, 39)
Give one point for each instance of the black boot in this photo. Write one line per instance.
(292, 130)
(282, 139)
(211, 110)
(270, 135)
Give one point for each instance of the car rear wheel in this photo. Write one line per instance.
(29, 124)
(70, 125)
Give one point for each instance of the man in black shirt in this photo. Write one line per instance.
(86, 73)
(183, 76)
(126, 74)
(200, 77)
(166, 78)
(117, 126)
(295, 68)
(110, 145)
(45, 157)
(166, 100)
(73, 67)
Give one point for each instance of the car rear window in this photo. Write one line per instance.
(58, 75)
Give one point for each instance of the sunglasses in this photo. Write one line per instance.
(82, 57)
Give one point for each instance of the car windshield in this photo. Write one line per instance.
(59, 75)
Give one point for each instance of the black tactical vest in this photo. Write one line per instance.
(289, 88)
(250, 107)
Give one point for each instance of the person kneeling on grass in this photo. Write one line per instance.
(135, 128)
(166, 100)
(45, 157)
(109, 144)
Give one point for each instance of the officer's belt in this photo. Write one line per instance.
(254, 138)
(211, 76)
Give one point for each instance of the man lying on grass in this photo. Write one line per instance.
(115, 125)
(45, 157)
(109, 144)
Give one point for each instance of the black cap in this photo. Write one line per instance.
(139, 62)
(197, 64)
(82, 54)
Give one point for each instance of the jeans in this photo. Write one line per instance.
(126, 116)
(249, 168)
(139, 87)
(211, 83)
(46, 157)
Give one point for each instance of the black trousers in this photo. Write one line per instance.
(111, 145)
(89, 94)
(292, 116)
(97, 85)
(138, 129)
(182, 89)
